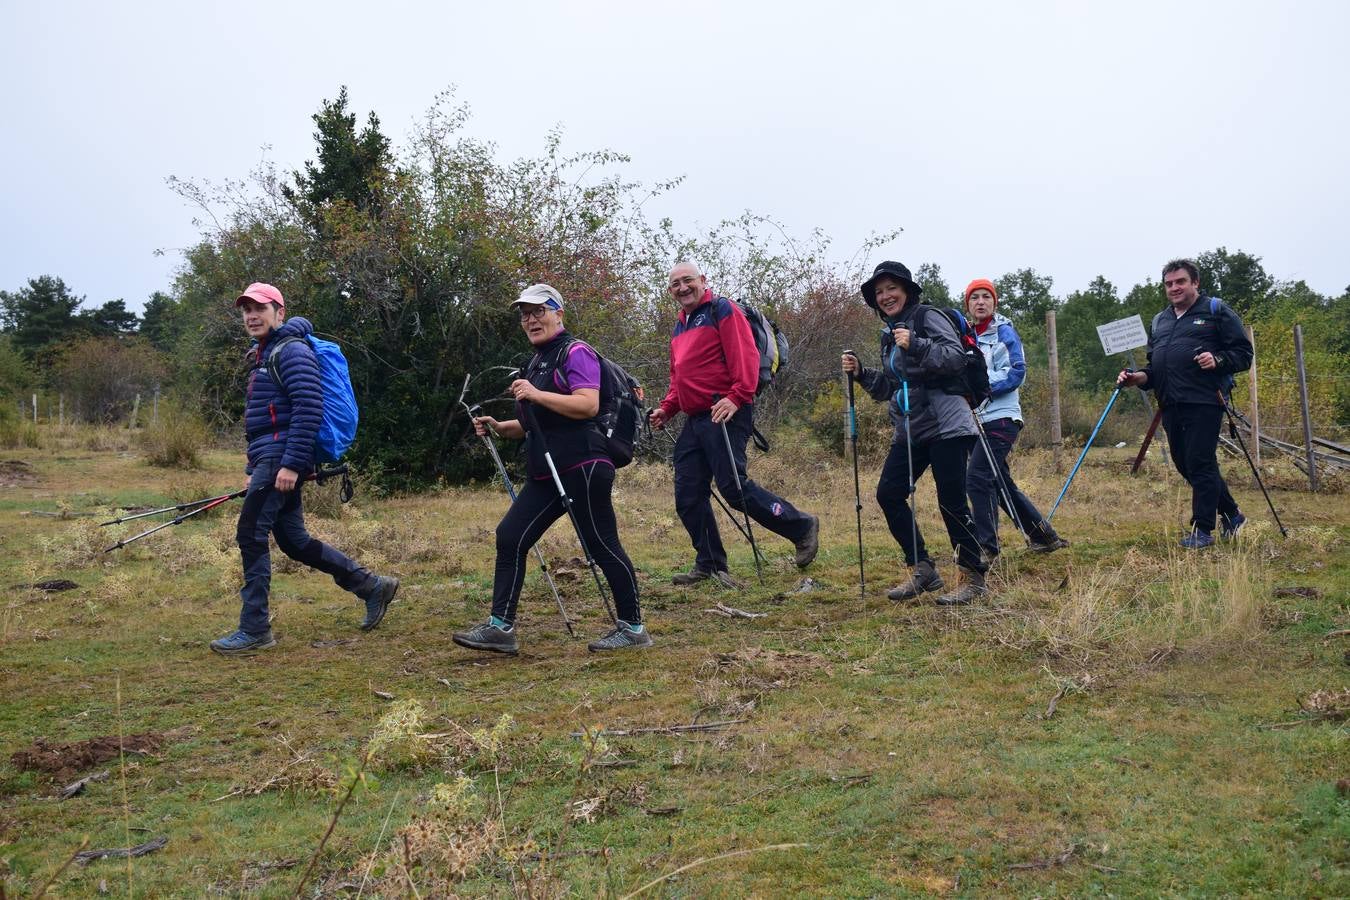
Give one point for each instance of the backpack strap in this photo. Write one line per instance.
(273, 362)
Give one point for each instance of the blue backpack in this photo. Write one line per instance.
(338, 428)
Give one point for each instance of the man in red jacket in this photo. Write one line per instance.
(714, 370)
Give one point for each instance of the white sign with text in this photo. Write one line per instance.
(1122, 335)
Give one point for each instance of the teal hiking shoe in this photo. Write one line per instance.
(488, 637)
(623, 637)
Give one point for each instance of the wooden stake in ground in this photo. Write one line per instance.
(1303, 400)
(1052, 350)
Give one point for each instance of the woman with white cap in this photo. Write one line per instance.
(561, 384)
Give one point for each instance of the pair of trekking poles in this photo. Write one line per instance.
(195, 507)
(1233, 431)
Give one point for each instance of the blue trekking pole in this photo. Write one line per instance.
(1081, 456)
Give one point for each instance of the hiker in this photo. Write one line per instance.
(561, 384)
(281, 421)
(922, 363)
(1195, 347)
(714, 371)
(1001, 419)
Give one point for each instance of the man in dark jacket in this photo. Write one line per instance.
(1196, 346)
(281, 421)
(714, 371)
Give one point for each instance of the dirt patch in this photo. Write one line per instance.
(64, 760)
(16, 473)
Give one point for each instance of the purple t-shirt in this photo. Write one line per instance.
(581, 370)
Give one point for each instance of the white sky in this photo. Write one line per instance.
(1077, 138)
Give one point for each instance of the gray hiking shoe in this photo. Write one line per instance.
(972, 588)
(695, 575)
(488, 637)
(924, 579)
(378, 600)
(809, 545)
(241, 643)
(623, 637)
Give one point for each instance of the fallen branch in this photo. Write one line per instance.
(664, 729)
(703, 861)
(88, 856)
(1049, 863)
(1339, 632)
(71, 790)
(732, 612)
(1054, 702)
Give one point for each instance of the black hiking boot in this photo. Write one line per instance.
(924, 579)
(241, 643)
(809, 545)
(972, 588)
(488, 637)
(377, 600)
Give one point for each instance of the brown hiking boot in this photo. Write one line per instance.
(808, 545)
(924, 579)
(972, 588)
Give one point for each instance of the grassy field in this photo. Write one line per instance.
(1118, 719)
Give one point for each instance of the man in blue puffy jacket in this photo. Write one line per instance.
(281, 421)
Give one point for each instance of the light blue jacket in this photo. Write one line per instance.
(1007, 367)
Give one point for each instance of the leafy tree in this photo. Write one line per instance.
(161, 324)
(1238, 278)
(112, 318)
(935, 289)
(351, 164)
(1080, 348)
(102, 375)
(40, 315)
(1024, 297)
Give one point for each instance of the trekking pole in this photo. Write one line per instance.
(909, 452)
(1237, 436)
(154, 512)
(1092, 437)
(320, 475)
(857, 490)
(740, 489)
(511, 492)
(730, 515)
(528, 411)
(1003, 489)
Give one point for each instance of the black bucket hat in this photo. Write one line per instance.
(890, 269)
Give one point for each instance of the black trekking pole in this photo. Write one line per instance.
(528, 411)
(511, 492)
(176, 508)
(1237, 436)
(740, 489)
(730, 515)
(320, 475)
(1003, 489)
(909, 452)
(857, 489)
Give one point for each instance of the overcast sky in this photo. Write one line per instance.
(1078, 138)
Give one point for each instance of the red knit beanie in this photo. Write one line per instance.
(976, 285)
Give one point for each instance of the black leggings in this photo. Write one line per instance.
(948, 459)
(536, 508)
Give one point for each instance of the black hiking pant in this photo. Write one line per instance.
(1193, 431)
(538, 506)
(701, 458)
(982, 483)
(948, 459)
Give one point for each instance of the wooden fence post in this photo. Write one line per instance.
(62, 408)
(1303, 400)
(135, 411)
(1052, 347)
(35, 409)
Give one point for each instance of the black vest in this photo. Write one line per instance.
(570, 441)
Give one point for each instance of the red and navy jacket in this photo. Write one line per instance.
(712, 354)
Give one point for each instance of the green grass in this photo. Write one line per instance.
(907, 746)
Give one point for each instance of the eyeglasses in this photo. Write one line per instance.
(533, 312)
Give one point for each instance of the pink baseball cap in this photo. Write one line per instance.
(261, 293)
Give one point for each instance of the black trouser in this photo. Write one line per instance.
(701, 457)
(983, 486)
(269, 511)
(1193, 431)
(538, 506)
(948, 459)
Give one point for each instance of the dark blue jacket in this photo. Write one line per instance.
(281, 421)
(1209, 325)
